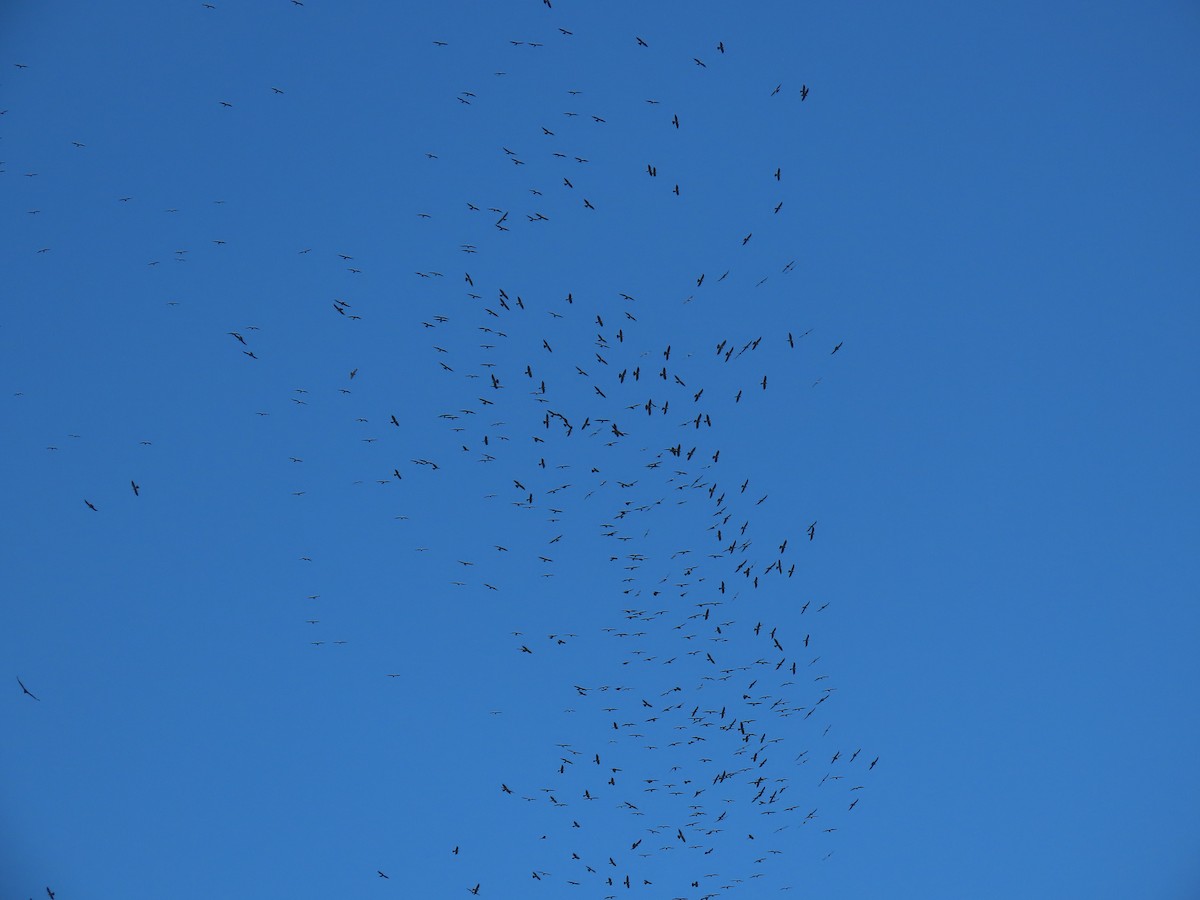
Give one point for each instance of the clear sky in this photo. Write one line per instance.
(431, 334)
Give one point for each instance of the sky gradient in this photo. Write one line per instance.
(293, 658)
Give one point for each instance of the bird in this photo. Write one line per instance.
(91, 506)
(136, 487)
(26, 690)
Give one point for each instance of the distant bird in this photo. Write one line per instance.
(803, 92)
(90, 506)
(26, 690)
(136, 487)
(380, 874)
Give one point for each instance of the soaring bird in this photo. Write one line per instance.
(27, 690)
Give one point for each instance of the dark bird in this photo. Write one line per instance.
(381, 875)
(837, 348)
(642, 43)
(803, 91)
(26, 690)
(90, 506)
(136, 487)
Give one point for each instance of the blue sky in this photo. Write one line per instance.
(990, 211)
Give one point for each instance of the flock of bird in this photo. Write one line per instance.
(708, 757)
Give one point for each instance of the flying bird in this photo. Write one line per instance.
(26, 690)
